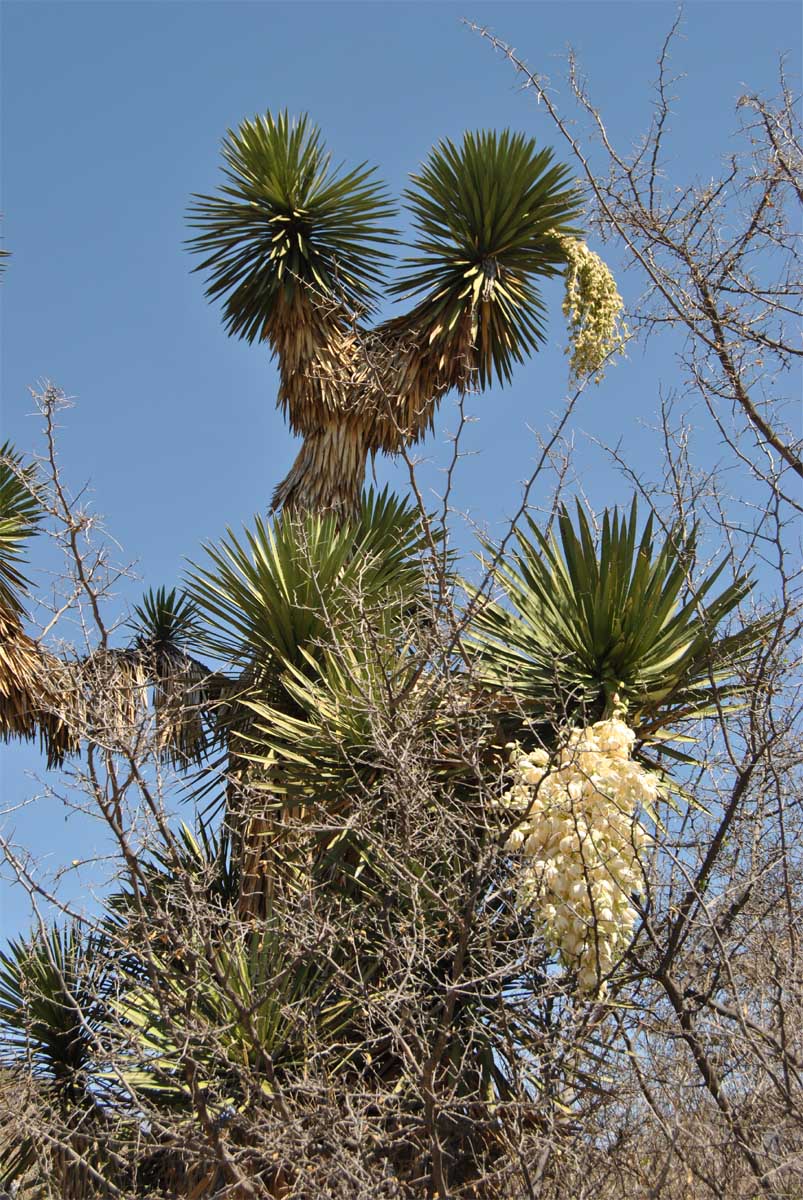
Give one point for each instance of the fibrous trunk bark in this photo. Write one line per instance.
(328, 474)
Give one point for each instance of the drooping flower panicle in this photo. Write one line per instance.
(581, 840)
(593, 309)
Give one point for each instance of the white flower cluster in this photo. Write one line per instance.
(581, 837)
(593, 309)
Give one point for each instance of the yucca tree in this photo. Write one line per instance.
(295, 248)
(345, 692)
(327, 716)
(269, 596)
(297, 251)
(490, 217)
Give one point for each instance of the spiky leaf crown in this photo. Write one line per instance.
(591, 625)
(489, 216)
(286, 218)
(164, 619)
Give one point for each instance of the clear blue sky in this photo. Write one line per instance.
(112, 115)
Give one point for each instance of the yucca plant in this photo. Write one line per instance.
(491, 217)
(230, 1036)
(296, 254)
(315, 766)
(284, 226)
(588, 627)
(247, 999)
(53, 991)
(337, 701)
(272, 597)
(271, 603)
(165, 626)
(365, 757)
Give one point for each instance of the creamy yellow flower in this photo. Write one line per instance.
(580, 837)
(593, 309)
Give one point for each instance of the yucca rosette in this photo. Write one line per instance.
(488, 216)
(586, 618)
(293, 248)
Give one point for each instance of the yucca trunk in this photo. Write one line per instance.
(269, 846)
(20, 679)
(257, 843)
(368, 392)
(72, 1170)
(410, 366)
(328, 474)
(32, 692)
(257, 838)
(313, 344)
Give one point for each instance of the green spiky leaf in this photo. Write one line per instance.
(165, 619)
(246, 1001)
(52, 989)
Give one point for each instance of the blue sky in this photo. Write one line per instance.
(112, 115)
